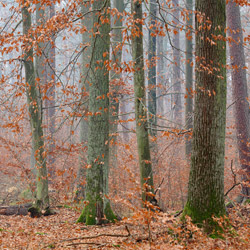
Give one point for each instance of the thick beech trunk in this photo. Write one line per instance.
(189, 76)
(240, 95)
(98, 207)
(35, 113)
(206, 181)
(140, 104)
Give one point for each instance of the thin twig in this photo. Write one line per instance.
(96, 236)
(235, 183)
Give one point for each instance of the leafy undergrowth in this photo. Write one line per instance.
(143, 231)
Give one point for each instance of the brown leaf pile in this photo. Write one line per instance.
(143, 231)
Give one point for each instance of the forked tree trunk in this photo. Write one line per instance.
(146, 172)
(206, 180)
(98, 206)
(240, 95)
(35, 113)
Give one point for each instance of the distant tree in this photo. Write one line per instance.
(189, 75)
(35, 112)
(177, 65)
(240, 93)
(85, 73)
(152, 107)
(146, 172)
(50, 100)
(206, 180)
(115, 77)
(98, 208)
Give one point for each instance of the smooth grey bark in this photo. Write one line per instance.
(152, 104)
(35, 112)
(177, 66)
(189, 76)
(240, 93)
(98, 207)
(115, 78)
(146, 172)
(161, 81)
(81, 173)
(50, 100)
(206, 180)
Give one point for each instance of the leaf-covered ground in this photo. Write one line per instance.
(163, 231)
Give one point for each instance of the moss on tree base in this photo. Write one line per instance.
(88, 215)
(206, 220)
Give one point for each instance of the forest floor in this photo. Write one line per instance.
(142, 231)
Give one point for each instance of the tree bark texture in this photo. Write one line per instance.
(206, 180)
(146, 172)
(240, 93)
(152, 108)
(98, 207)
(35, 113)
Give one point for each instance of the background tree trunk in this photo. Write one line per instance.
(206, 181)
(50, 101)
(240, 93)
(146, 172)
(35, 112)
(116, 82)
(177, 66)
(189, 76)
(85, 72)
(152, 108)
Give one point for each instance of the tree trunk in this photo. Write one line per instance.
(177, 65)
(98, 206)
(206, 180)
(152, 69)
(116, 82)
(140, 104)
(240, 93)
(189, 77)
(35, 112)
(81, 173)
(50, 100)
